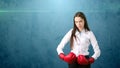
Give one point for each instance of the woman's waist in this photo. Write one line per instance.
(77, 53)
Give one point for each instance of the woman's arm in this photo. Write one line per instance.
(64, 41)
(94, 45)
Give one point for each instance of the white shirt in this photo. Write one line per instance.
(81, 43)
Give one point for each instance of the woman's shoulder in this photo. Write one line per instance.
(89, 32)
(70, 30)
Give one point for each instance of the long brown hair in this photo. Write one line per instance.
(78, 14)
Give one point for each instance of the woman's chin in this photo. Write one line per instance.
(80, 29)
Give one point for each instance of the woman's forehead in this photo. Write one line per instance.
(78, 18)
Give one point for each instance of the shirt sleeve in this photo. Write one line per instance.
(63, 42)
(95, 46)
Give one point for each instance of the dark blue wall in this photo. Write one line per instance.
(30, 31)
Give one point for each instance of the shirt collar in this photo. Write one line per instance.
(77, 32)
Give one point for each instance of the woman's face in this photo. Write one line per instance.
(79, 22)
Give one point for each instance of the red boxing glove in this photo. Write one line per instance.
(91, 60)
(82, 60)
(61, 56)
(70, 58)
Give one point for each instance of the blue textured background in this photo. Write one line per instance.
(30, 31)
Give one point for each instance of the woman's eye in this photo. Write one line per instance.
(76, 22)
(80, 21)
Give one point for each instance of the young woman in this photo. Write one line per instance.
(80, 38)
